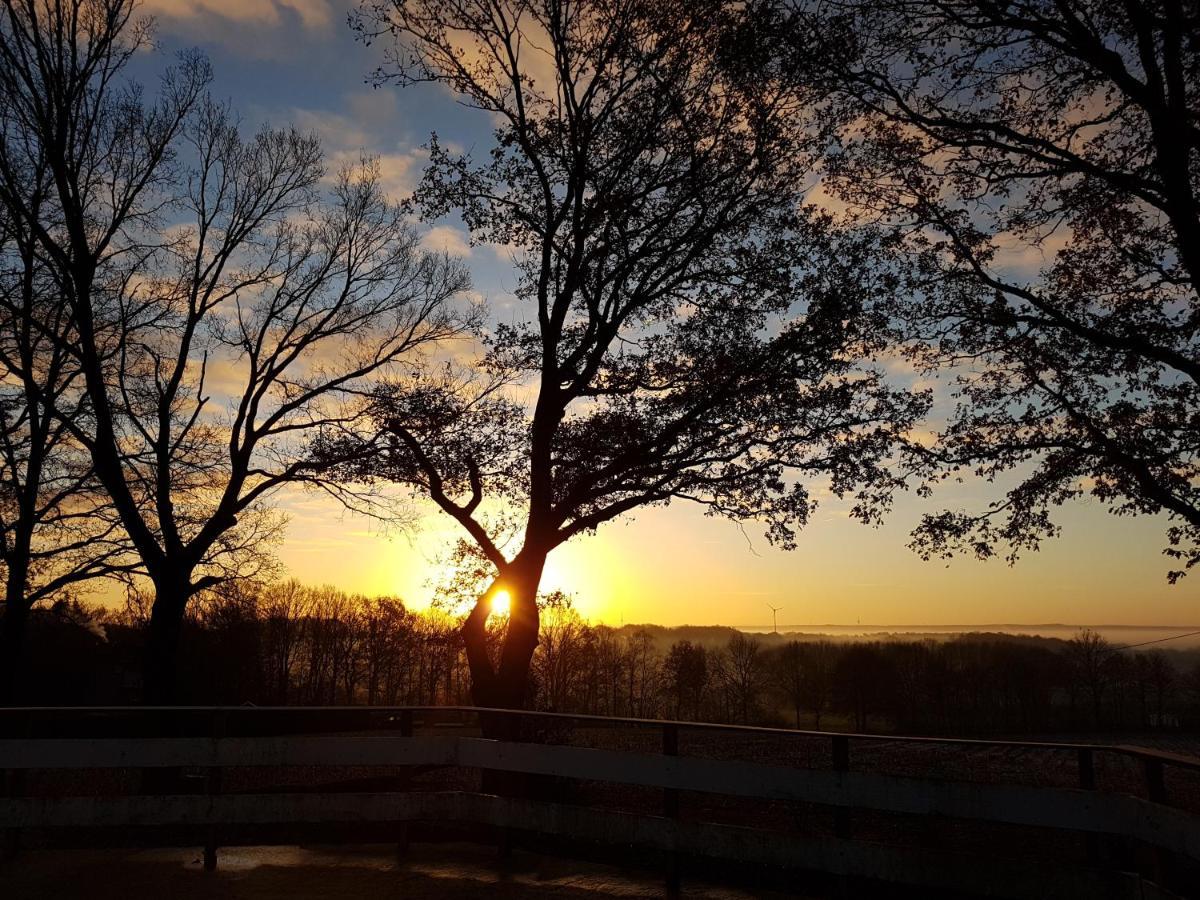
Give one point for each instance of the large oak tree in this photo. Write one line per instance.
(688, 328)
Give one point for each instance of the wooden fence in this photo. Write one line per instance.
(212, 741)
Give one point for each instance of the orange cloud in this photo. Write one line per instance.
(312, 13)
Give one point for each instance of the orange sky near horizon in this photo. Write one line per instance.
(675, 566)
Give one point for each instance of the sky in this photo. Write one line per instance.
(282, 62)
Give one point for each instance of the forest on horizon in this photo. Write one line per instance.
(288, 644)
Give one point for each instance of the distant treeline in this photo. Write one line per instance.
(292, 644)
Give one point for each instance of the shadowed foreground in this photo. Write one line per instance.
(441, 871)
(669, 797)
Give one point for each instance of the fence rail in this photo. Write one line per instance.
(1173, 835)
(33, 716)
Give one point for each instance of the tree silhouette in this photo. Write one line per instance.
(690, 330)
(295, 295)
(57, 529)
(744, 671)
(1093, 662)
(1040, 161)
(687, 677)
(789, 671)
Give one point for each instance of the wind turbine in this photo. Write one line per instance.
(775, 616)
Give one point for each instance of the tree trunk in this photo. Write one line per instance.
(16, 608)
(172, 591)
(12, 636)
(505, 686)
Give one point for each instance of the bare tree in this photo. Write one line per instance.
(864, 680)
(563, 652)
(685, 671)
(283, 608)
(1039, 159)
(1092, 663)
(1162, 680)
(789, 671)
(819, 676)
(296, 295)
(331, 631)
(608, 670)
(745, 675)
(387, 645)
(691, 330)
(639, 663)
(56, 528)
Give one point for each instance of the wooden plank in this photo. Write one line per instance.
(222, 809)
(925, 867)
(288, 750)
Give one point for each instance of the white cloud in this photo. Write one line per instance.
(448, 239)
(346, 136)
(398, 172)
(337, 131)
(377, 108)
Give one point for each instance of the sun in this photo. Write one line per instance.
(501, 602)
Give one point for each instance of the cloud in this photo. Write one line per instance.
(347, 136)
(448, 239)
(252, 29)
(1025, 256)
(313, 14)
(398, 172)
(376, 108)
(337, 131)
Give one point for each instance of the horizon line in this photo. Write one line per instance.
(953, 625)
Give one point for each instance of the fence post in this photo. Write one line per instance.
(406, 731)
(9, 787)
(212, 787)
(1156, 786)
(11, 780)
(1087, 781)
(1156, 792)
(842, 886)
(670, 747)
(841, 763)
(508, 784)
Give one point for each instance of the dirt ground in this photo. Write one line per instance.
(437, 872)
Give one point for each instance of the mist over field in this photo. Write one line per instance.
(1174, 636)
